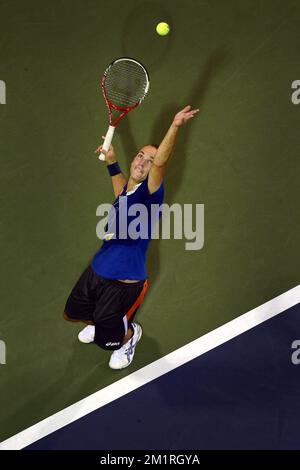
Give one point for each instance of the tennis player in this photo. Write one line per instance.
(111, 289)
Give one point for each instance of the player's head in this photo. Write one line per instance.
(142, 162)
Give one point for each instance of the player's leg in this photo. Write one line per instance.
(113, 317)
(81, 302)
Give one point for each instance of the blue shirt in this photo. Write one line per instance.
(124, 256)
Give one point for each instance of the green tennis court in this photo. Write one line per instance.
(236, 61)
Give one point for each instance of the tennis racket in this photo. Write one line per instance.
(125, 84)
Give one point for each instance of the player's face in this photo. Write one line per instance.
(142, 163)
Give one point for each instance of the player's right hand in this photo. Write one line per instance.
(110, 155)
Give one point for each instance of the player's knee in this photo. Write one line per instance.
(109, 338)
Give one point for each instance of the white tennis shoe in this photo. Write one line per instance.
(87, 335)
(122, 357)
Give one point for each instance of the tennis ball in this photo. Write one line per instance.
(162, 29)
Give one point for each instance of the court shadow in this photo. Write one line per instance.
(196, 98)
(176, 170)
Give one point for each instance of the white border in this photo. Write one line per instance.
(152, 371)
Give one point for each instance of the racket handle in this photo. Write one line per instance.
(107, 141)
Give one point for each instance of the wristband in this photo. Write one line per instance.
(114, 169)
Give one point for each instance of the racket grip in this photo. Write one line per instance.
(107, 141)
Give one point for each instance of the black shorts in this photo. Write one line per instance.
(109, 304)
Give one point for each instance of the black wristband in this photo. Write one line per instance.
(114, 169)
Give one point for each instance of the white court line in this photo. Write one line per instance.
(152, 371)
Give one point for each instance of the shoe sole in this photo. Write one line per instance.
(83, 340)
(140, 333)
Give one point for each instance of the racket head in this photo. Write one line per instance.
(125, 84)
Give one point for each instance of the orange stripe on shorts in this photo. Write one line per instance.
(138, 301)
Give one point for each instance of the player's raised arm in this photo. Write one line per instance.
(164, 151)
(117, 177)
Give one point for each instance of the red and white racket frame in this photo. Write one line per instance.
(112, 124)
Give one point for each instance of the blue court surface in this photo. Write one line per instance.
(243, 394)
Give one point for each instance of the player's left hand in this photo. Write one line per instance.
(110, 155)
(184, 115)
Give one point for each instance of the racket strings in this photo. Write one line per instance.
(122, 91)
(126, 83)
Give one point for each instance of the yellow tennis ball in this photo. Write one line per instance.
(162, 29)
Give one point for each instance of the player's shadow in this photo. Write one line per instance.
(176, 169)
(196, 98)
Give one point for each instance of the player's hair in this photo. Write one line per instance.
(154, 145)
